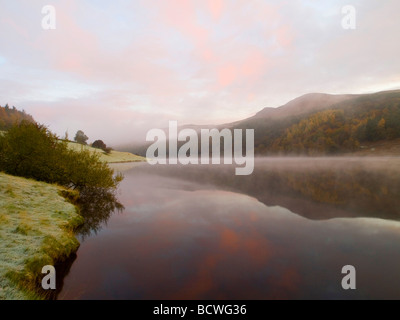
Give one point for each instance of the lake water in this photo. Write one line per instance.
(285, 232)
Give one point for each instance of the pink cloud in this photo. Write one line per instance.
(243, 69)
(254, 63)
(76, 50)
(182, 15)
(216, 8)
(284, 36)
(227, 75)
(70, 47)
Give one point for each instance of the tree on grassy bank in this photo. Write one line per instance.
(30, 150)
(99, 144)
(81, 137)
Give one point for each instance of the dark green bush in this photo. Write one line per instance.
(99, 144)
(30, 150)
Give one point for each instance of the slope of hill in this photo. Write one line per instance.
(305, 104)
(10, 116)
(112, 157)
(318, 124)
(344, 126)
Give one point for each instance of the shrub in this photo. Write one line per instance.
(30, 150)
(99, 144)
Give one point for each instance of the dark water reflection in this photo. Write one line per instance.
(317, 188)
(203, 233)
(96, 206)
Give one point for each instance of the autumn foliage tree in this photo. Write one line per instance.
(11, 116)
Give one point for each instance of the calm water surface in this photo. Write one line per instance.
(284, 232)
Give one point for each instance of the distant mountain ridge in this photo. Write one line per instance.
(303, 104)
(319, 123)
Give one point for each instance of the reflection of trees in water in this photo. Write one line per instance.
(349, 192)
(96, 206)
(319, 190)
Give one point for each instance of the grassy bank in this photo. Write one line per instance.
(36, 229)
(113, 157)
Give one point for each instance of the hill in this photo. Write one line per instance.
(321, 124)
(10, 116)
(112, 157)
(342, 127)
(312, 102)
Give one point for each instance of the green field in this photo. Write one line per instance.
(36, 229)
(113, 157)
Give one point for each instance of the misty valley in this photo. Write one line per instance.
(296, 202)
(218, 150)
(284, 232)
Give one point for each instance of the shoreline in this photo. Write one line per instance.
(38, 221)
(37, 229)
(128, 161)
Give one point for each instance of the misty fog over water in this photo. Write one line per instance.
(284, 232)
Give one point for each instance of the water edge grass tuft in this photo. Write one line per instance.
(37, 223)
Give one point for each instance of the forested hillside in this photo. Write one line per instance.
(344, 127)
(319, 124)
(10, 116)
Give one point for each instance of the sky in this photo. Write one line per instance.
(116, 69)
